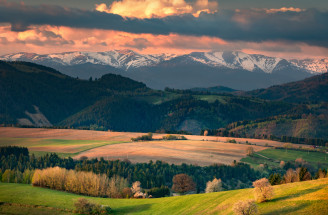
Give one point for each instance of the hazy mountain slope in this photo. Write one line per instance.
(313, 89)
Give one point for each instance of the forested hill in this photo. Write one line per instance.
(313, 89)
(34, 95)
(27, 87)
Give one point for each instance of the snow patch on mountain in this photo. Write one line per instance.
(312, 65)
(128, 59)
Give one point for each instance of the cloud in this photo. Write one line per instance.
(138, 43)
(157, 8)
(284, 9)
(308, 26)
(63, 39)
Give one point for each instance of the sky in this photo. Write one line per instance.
(281, 28)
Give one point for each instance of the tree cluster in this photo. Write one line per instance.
(85, 183)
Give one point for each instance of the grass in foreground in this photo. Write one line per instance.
(310, 197)
(317, 159)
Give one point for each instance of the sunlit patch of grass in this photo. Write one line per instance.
(309, 197)
(64, 148)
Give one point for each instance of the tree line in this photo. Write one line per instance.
(151, 174)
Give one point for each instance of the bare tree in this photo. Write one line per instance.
(136, 187)
(263, 190)
(213, 186)
(183, 183)
(291, 176)
(250, 151)
(247, 207)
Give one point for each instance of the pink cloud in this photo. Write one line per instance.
(50, 39)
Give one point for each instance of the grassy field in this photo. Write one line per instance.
(317, 159)
(310, 197)
(64, 148)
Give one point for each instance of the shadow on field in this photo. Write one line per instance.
(287, 209)
(131, 209)
(302, 193)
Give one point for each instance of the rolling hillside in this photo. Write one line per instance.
(313, 89)
(308, 197)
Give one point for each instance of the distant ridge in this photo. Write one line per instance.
(233, 69)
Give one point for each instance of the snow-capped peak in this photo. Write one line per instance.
(128, 59)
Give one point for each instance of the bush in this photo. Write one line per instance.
(147, 137)
(173, 137)
(231, 141)
(127, 192)
(247, 207)
(213, 186)
(263, 190)
(83, 206)
(158, 192)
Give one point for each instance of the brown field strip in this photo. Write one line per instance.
(200, 150)
(191, 152)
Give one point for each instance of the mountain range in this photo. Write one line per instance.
(235, 70)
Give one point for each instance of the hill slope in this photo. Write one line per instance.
(308, 197)
(312, 89)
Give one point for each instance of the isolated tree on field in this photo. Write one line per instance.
(183, 183)
(250, 151)
(247, 207)
(263, 190)
(213, 186)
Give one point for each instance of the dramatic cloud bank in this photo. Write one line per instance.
(157, 8)
(308, 26)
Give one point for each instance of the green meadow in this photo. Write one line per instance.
(310, 197)
(317, 159)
